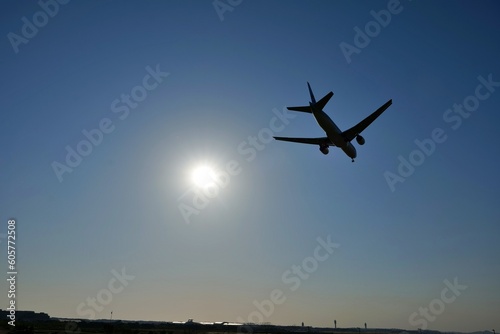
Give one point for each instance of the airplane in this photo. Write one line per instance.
(334, 137)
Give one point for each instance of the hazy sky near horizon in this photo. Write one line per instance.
(108, 107)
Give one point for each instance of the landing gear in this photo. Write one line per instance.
(352, 160)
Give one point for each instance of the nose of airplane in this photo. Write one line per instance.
(353, 153)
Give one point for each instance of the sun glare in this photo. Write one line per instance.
(202, 176)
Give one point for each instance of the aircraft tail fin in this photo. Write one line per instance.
(313, 104)
(313, 100)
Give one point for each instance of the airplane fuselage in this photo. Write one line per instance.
(334, 134)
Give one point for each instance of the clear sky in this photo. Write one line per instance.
(108, 108)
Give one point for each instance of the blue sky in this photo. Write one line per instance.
(201, 83)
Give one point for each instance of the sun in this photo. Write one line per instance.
(202, 176)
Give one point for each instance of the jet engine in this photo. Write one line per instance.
(324, 149)
(360, 140)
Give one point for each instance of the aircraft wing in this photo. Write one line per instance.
(358, 128)
(313, 141)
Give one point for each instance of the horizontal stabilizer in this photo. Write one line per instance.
(316, 105)
(302, 109)
(322, 103)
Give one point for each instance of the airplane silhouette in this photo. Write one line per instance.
(334, 137)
